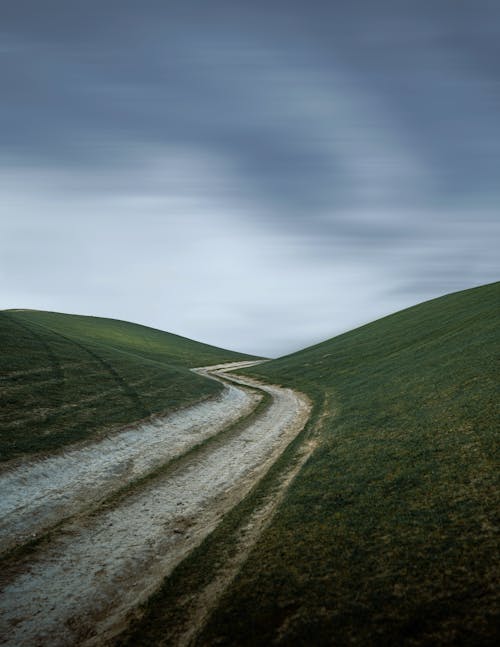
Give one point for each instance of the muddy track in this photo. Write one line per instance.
(82, 586)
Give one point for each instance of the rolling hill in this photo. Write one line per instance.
(388, 535)
(66, 378)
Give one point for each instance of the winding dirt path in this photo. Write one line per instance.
(80, 588)
(40, 493)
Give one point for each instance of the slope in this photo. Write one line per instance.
(387, 536)
(66, 378)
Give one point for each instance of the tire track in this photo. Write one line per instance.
(55, 364)
(109, 368)
(201, 604)
(41, 493)
(81, 588)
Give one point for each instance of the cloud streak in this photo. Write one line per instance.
(257, 178)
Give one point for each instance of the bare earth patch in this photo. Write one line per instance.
(80, 587)
(40, 493)
(201, 604)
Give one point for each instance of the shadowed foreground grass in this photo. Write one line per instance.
(387, 536)
(66, 378)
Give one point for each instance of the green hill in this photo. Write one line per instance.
(387, 537)
(66, 378)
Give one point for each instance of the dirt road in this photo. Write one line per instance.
(41, 493)
(79, 588)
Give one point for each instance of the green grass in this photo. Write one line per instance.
(388, 535)
(67, 378)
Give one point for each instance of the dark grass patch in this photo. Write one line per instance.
(65, 378)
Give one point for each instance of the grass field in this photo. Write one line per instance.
(388, 535)
(66, 378)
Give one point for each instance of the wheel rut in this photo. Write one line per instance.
(82, 586)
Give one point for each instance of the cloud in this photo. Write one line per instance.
(256, 177)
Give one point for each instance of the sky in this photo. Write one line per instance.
(256, 175)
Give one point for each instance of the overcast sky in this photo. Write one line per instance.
(256, 175)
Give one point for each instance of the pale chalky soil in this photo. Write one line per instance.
(80, 588)
(40, 493)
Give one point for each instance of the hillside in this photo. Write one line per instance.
(387, 536)
(66, 378)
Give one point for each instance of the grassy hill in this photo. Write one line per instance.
(66, 378)
(387, 537)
